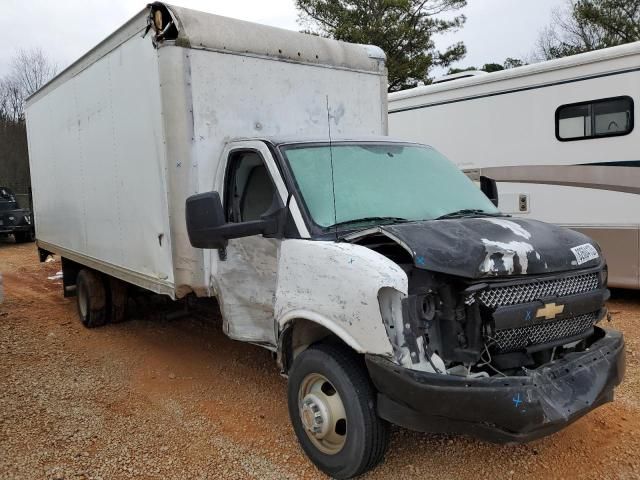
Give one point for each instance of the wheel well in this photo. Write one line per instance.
(299, 335)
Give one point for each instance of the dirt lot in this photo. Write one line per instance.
(158, 398)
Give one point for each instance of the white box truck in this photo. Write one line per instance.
(217, 158)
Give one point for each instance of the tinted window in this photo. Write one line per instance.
(595, 119)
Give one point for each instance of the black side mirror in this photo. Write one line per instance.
(207, 227)
(490, 188)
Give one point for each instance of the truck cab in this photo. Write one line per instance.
(393, 290)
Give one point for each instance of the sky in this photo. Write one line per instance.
(495, 29)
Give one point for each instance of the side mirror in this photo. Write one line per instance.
(207, 227)
(490, 188)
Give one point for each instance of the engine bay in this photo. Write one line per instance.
(489, 327)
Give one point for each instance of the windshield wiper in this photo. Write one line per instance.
(369, 220)
(469, 212)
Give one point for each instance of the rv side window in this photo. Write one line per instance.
(595, 119)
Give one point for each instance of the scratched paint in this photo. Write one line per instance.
(506, 253)
(337, 285)
(509, 225)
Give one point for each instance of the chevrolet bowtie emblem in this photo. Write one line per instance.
(549, 311)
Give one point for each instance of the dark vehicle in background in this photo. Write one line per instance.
(14, 220)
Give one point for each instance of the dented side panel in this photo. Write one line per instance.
(337, 285)
(246, 283)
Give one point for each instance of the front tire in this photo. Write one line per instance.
(91, 299)
(333, 411)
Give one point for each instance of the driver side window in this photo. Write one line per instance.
(250, 190)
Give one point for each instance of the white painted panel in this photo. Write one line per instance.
(341, 293)
(97, 163)
(576, 206)
(518, 128)
(237, 96)
(118, 147)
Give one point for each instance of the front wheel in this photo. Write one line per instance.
(332, 409)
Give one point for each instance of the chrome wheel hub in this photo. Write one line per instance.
(315, 416)
(322, 413)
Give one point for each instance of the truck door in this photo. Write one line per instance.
(246, 271)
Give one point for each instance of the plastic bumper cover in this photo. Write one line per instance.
(502, 409)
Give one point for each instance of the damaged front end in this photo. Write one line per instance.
(481, 329)
(507, 353)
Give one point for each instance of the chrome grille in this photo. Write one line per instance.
(528, 292)
(511, 339)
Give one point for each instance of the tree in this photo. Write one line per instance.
(404, 29)
(491, 67)
(513, 63)
(30, 70)
(454, 70)
(586, 25)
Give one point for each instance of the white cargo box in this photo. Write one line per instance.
(123, 136)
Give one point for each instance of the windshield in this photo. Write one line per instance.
(381, 183)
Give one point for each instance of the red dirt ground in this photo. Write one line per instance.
(155, 398)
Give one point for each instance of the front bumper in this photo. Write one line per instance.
(502, 409)
(9, 229)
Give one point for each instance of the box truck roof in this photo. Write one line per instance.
(205, 31)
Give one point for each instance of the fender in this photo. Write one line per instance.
(336, 285)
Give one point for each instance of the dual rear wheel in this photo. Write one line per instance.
(100, 299)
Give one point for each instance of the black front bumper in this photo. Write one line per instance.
(501, 409)
(9, 229)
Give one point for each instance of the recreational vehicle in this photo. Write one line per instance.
(559, 136)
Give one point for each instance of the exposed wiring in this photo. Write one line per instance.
(487, 362)
(428, 352)
(495, 370)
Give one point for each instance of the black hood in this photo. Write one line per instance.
(490, 247)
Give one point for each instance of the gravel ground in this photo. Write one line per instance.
(162, 399)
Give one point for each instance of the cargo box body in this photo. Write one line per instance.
(122, 137)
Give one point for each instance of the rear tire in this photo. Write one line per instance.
(319, 374)
(91, 299)
(118, 296)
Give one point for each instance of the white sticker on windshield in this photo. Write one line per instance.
(585, 253)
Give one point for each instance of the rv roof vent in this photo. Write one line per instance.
(458, 76)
